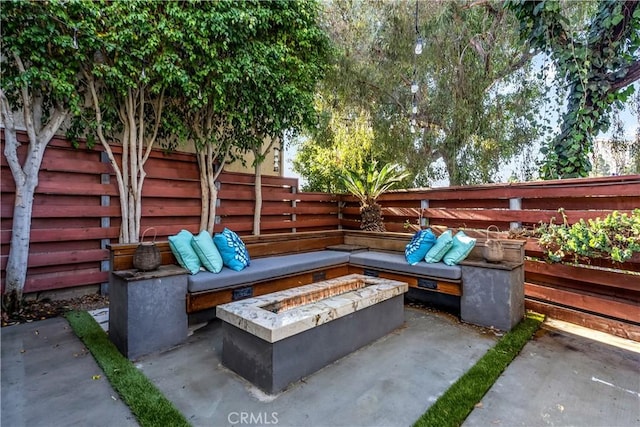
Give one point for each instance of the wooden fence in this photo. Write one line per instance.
(76, 214)
(606, 298)
(76, 210)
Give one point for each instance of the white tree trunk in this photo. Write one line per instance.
(204, 191)
(16, 270)
(257, 211)
(136, 149)
(208, 176)
(25, 176)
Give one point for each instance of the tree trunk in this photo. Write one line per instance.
(452, 170)
(25, 177)
(16, 269)
(208, 176)
(257, 212)
(371, 217)
(204, 191)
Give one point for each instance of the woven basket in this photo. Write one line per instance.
(147, 255)
(493, 250)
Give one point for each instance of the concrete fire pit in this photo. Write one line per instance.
(276, 339)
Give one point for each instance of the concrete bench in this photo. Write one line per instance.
(483, 294)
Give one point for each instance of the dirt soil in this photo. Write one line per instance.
(43, 309)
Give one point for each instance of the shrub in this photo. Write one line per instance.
(616, 237)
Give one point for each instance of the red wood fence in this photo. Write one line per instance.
(607, 298)
(76, 210)
(76, 214)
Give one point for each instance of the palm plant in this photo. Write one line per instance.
(367, 187)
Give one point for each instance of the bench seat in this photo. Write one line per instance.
(262, 269)
(397, 262)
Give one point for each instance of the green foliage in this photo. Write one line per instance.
(134, 57)
(44, 38)
(146, 402)
(343, 140)
(286, 55)
(453, 407)
(597, 62)
(370, 184)
(616, 237)
(474, 112)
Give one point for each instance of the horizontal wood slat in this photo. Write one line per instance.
(64, 280)
(624, 310)
(588, 320)
(615, 279)
(57, 258)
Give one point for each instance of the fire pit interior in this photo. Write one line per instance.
(313, 296)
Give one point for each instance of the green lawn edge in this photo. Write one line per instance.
(455, 405)
(146, 402)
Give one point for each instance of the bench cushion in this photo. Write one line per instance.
(397, 262)
(267, 268)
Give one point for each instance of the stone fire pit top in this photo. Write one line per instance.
(279, 315)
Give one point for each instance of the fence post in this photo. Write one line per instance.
(105, 222)
(294, 203)
(424, 222)
(515, 204)
(217, 219)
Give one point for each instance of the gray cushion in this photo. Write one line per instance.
(397, 262)
(265, 269)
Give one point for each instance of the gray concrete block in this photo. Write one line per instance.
(147, 315)
(273, 366)
(492, 297)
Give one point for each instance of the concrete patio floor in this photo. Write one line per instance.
(558, 379)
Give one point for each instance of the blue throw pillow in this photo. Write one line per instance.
(207, 252)
(419, 245)
(444, 242)
(462, 245)
(234, 252)
(181, 247)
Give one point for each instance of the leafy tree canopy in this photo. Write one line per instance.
(344, 140)
(596, 58)
(474, 111)
(39, 50)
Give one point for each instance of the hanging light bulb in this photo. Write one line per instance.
(414, 110)
(413, 129)
(414, 87)
(75, 38)
(419, 45)
(143, 73)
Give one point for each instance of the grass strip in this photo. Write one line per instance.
(453, 407)
(146, 402)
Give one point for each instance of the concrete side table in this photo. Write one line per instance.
(147, 310)
(492, 294)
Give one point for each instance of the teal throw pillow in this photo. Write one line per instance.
(181, 247)
(207, 252)
(419, 245)
(462, 245)
(444, 242)
(234, 252)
